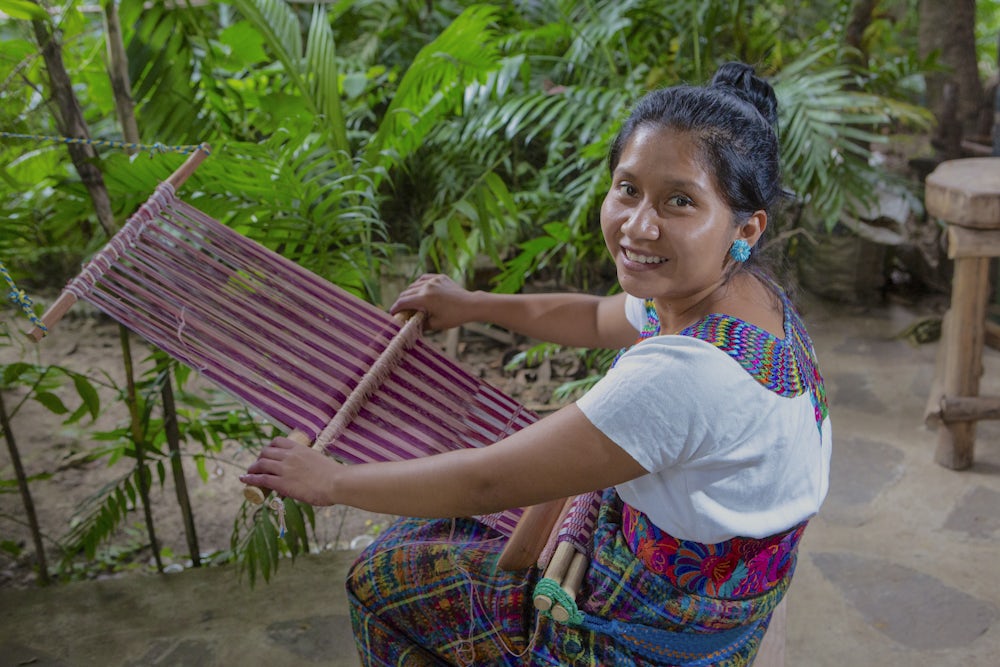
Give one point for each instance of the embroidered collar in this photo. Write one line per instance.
(787, 366)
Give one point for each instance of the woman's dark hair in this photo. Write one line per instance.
(733, 120)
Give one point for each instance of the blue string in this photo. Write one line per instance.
(153, 149)
(19, 298)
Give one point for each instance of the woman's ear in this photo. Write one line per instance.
(751, 230)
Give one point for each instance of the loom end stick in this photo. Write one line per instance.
(571, 586)
(530, 535)
(177, 178)
(556, 571)
(53, 314)
(257, 495)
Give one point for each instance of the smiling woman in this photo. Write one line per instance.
(710, 434)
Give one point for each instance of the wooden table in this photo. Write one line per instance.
(965, 194)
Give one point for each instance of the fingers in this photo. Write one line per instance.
(438, 297)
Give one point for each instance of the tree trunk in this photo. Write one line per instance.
(949, 29)
(69, 120)
(861, 18)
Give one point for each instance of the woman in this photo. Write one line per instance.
(711, 432)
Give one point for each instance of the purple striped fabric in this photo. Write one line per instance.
(286, 342)
(579, 523)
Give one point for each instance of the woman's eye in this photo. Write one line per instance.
(680, 200)
(627, 189)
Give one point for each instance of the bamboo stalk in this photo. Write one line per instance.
(143, 476)
(66, 300)
(172, 432)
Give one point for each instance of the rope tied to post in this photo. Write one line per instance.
(19, 298)
(154, 149)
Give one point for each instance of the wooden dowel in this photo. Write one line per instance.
(571, 584)
(380, 369)
(556, 571)
(53, 314)
(61, 306)
(369, 383)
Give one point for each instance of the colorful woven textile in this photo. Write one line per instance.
(427, 593)
(735, 569)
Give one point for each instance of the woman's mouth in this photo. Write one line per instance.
(633, 256)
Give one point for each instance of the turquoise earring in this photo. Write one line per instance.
(740, 251)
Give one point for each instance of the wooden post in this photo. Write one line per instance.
(963, 353)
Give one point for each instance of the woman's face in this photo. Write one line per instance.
(664, 221)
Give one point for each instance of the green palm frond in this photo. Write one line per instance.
(828, 133)
(164, 73)
(434, 86)
(314, 74)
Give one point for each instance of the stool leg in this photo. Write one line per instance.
(962, 339)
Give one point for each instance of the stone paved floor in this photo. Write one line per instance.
(902, 567)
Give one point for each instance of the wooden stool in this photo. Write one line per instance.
(965, 194)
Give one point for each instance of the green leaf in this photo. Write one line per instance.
(87, 394)
(245, 44)
(12, 372)
(24, 10)
(51, 402)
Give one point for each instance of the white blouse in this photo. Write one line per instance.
(726, 456)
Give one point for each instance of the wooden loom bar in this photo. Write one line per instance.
(969, 408)
(556, 571)
(369, 384)
(54, 313)
(529, 537)
(571, 584)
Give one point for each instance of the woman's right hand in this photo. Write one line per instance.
(444, 302)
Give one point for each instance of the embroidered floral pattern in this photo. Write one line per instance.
(734, 569)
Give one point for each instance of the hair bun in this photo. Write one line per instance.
(741, 80)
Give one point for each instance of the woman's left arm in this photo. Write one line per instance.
(561, 455)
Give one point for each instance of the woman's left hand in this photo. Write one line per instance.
(295, 470)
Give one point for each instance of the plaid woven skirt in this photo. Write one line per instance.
(428, 592)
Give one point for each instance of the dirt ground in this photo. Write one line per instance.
(59, 457)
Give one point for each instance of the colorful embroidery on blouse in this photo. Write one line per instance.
(736, 569)
(787, 366)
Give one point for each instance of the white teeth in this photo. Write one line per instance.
(643, 259)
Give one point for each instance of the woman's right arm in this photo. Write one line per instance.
(565, 318)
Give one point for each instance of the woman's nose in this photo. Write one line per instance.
(641, 224)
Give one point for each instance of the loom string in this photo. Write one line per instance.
(19, 298)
